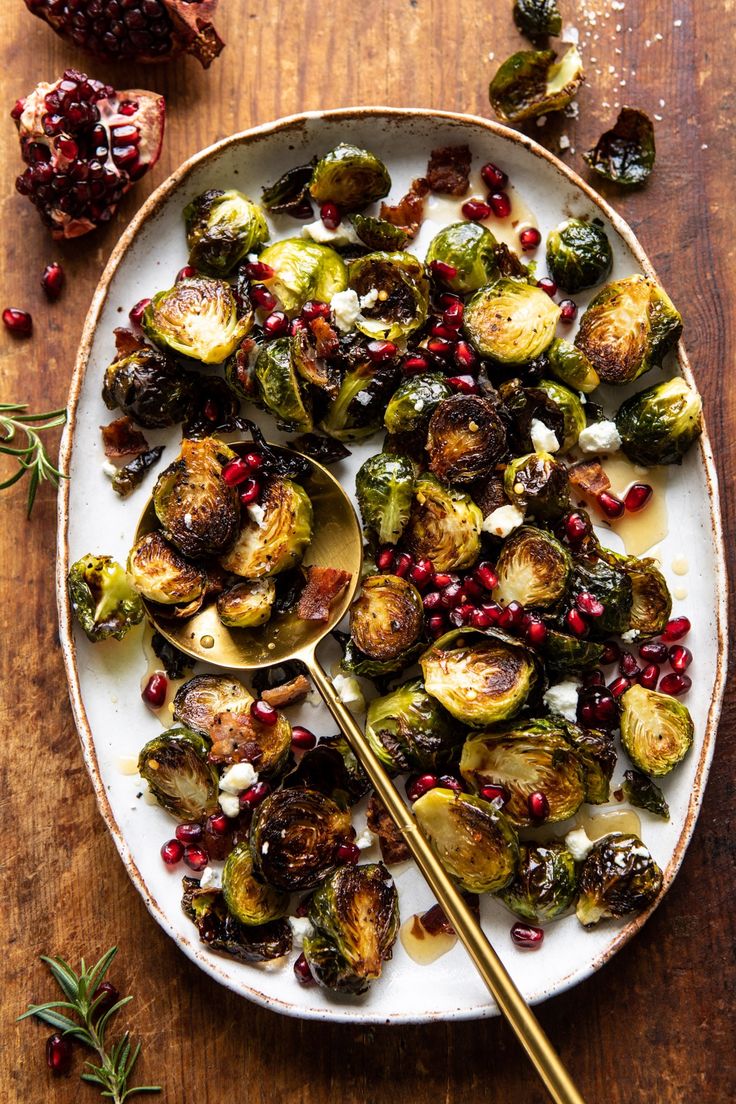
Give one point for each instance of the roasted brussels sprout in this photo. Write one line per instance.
(198, 511)
(658, 425)
(197, 318)
(533, 82)
(414, 402)
(221, 228)
(651, 602)
(474, 839)
(565, 654)
(149, 387)
(333, 769)
(545, 884)
(303, 270)
(387, 617)
(349, 177)
(625, 154)
(643, 793)
(572, 366)
(579, 255)
(470, 249)
(538, 484)
(355, 917)
(481, 678)
(571, 409)
(312, 366)
(178, 774)
(200, 702)
(619, 876)
(294, 837)
(278, 541)
(384, 487)
(409, 730)
(361, 401)
(628, 328)
(444, 526)
(278, 387)
(102, 599)
(394, 294)
(511, 321)
(378, 234)
(537, 18)
(533, 568)
(611, 585)
(246, 605)
(161, 575)
(248, 900)
(465, 440)
(289, 195)
(221, 932)
(656, 730)
(526, 757)
(597, 754)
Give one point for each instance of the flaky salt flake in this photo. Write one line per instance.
(564, 142)
(658, 118)
(677, 23)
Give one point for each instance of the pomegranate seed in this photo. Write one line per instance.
(611, 506)
(414, 365)
(450, 783)
(628, 665)
(494, 793)
(676, 628)
(211, 410)
(577, 528)
(476, 210)
(576, 623)
(611, 653)
(262, 297)
(538, 806)
(589, 605)
(18, 321)
(315, 308)
(452, 595)
(196, 858)
(330, 215)
(493, 177)
(619, 686)
(511, 616)
(440, 347)
(548, 285)
(420, 784)
(529, 238)
(189, 833)
(500, 204)
(568, 310)
(436, 625)
(185, 273)
(594, 678)
(486, 576)
(254, 795)
(52, 280)
(135, 314)
(172, 852)
(276, 324)
(466, 385)
(649, 677)
(302, 739)
(472, 588)
(443, 579)
(107, 995)
(465, 356)
(17, 110)
(264, 713)
(257, 270)
(680, 658)
(637, 497)
(654, 652)
(379, 351)
(404, 563)
(154, 692)
(597, 706)
(453, 314)
(479, 619)
(461, 614)
(447, 333)
(235, 471)
(218, 824)
(254, 460)
(385, 560)
(675, 684)
(249, 491)
(421, 573)
(302, 972)
(432, 600)
(348, 853)
(445, 271)
(536, 632)
(527, 936)
(58, 1053)
(68, 148)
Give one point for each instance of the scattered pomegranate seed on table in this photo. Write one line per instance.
(568, 310)
(59, 1053)
(493, 177)
(440, 329)
(536, 632)
(611, 653)
(526, 936)
(453, 313)
(436, 625)
(108, 996)
(414, 365)
(500, 204)
(529, 238)
(52, 280)
(451, 783)
(172, 852)
(577, 528)
(421, 573)
(18, 322)
(154, 692)
(440, 347)
(302, 739)
(479, 619)
(465, 356)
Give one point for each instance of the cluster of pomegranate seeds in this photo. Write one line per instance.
(302, 739)
(59, 1053)
(241, 472)
(18, 322)
(154, 692)
(526, 936)
(52, 280)
(646, 670)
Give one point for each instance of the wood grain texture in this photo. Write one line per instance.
(656, 1024)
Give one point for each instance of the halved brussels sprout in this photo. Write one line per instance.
(303, 270)
(350, 177)
(538, 484)
(628, 328)
(149, 387)
(611, 585)
(160, 574)
(572, 411)
(597, 755)
(313, 367)
(200, 702)
(198, 511)
(384, 487)
(178, 774)
(511, 321)
(565, 654)
(248, 900)
(394, 293)
(481, 678)
(572, 366)
(102, 599)
(378, 234)
(221, 228)
(247, 605)
(222, 933)
(470, 249)
(197, 318)
(387, 617)
(651, 601)
(526, 757)
(278, 387)
(533, 568)
(579, 255)
(444, 526)
(619, 876)
(532, 82)
(658, 425)
(625, 154)
(465, 440)
(333, 769)
(361, 401)
(474, 840)
(656, 730)
(409, 729)
(643, 793)
(355, 916)
(414, 402)
(545, 884)
(294, 838)
(537, 18)
(276, 542)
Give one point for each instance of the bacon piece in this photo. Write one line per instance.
(126, 342)
(289, 693)
(322, 588)
(408, 213)
(121, 438)
(390, 839)
(234, 739)
(448, 170)
(589, 477)
(327, 339)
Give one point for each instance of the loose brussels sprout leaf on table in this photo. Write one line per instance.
(409, 730)
(333, 769)
(533, 82)
(538, 484)
(278, 387)
(545, 884)
(474, 840)
(355, 917)
(303, 270)
(249, 900)
(199, 513)
(387, 617)
(656, 730)
(178, 774)
(644, 793)
(149, 387)
(511, 321)
(465, 440)
(246, 605)
(160, 574)
(394, 293)
(579, 255)
(278, 540)
(384, 487)
(658, 425)
(533, 568)
(537, 18)
(201, 700)
(294, 837)
(221, 932)
(131, 475)
(197, 318)
(572, 366)
(349, 177)
(414, 401)
(378, 234)
(571, 408)
(444, 526)
(470, 249)
(625, 154)
(102, 598)
(361, 401)
(619, 876)
(222, 227)
(289, 195)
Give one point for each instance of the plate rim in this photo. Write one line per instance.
(338, 1012)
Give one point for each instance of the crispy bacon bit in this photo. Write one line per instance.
(408, 213)
(327, 339)
(234, 739)
(589, 477)
(126, 342)
(448, 170)
(289, 693)
(322, 588)
(121, 438)
(393, 847)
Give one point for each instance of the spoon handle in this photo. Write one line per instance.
(494, 973)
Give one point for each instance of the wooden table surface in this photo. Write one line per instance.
(654, 1026)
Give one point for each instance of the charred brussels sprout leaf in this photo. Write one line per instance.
(570, 407)
(625, 154)
(414, 402)
(325, 450)
(643, 793)
(102, 599)
(611, 585)
(356, 662)
(132, 474)
(628, 328)
(203, 699)
(222, 933)
(444, 526)
(545, 884)
(311, 366)
(658, 425)
(394, 293)
(160, 574)
(533, 568)
(178, 774)
(537, 18)
(619, 876)
(578, 255)
(572, 366)
(248, 900)
(333, 769)
(597, 754)
(378, 234)
(303, 270)
(480, 678)
(197, 318)
(221, 228)
(279, 540)
(538, 484)
(350, 177)
(290, 193)
(149, 387)
(470, 249)
(409, 729)
(656, 730)
(361, 401)
(565, 654)
(465, 440)
(533, 82)
(198, 511)
(355, 917)
(247, 605)
(511, 321)
(278, 386)
(387, 618)
(384, 487)
(294, 837)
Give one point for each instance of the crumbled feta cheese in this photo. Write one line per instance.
(109, 469)
(600, 437)
(365, 840)
(345, 308)
(677, 23)
(563, 699)
(344, 234)
(238, 777)
(630, 636)
(419, 405)
(230, 804)
(256, 513)
(349, 692)
(571, 35)
(363, 397)
(578, 844)
(301, 927)
(564, 142)
(265, 847)
(210, 879)
(369, 299)
(542, 121)
(544, 439)
(503, 521)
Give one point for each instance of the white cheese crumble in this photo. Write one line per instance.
(369, 299)
(265, 847)
(600, 437)
(571, 35)
(563, 699)
(109, 469)
(256, 513)
(301, 927)
(349, 692)
(630, 636)
(564, 142)
(345, 308)
(230, 804)
(344, 234)
(503, 521)
(211, 879)
(238, 777)
(544, 439)
(363, 397)
(578, 844)
(365, 840)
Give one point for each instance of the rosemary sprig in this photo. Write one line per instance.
(31, 457)
(90, 1029)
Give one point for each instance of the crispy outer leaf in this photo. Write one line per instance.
(625, 154)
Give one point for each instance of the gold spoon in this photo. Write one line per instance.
(337, 542)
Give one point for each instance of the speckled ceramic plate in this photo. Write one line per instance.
(104, 679)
